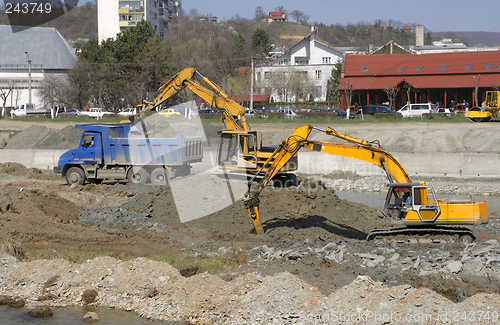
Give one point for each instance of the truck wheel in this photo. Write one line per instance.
(137, 176)
(159, 176)
(75, 175)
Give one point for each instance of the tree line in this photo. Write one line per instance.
(122, 72)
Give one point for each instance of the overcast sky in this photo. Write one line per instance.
(435, 15)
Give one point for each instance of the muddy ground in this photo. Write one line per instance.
(312, 238)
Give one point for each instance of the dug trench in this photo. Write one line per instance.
(312, 238)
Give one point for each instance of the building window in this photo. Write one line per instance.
(488, 66)
(365, 68)
(468, 67)
(327, 60)
(443, 67)
(400, 68)
(285, 61)
(318, 74)
(419, 68)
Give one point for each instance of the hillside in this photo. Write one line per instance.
(81, 23)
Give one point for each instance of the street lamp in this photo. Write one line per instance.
(29, 77)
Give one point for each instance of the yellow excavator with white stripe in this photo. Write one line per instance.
(412, 205)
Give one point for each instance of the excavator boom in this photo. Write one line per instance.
(233, 114)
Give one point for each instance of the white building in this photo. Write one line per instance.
(114, 16)
(310, 60)
(50, 55)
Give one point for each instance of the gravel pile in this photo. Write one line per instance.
(157, 291)
(29, 138)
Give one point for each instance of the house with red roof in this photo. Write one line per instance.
(433, 77)
(275, 16)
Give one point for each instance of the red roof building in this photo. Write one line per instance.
(436, 77)
(275, 16)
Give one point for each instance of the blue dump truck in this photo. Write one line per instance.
(113, 151)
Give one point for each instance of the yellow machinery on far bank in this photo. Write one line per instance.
(490, 108)
(423, 212)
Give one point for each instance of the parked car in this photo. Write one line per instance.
(170, 112)
(448, 111)
(128, 111)
(318, 110)
(375, 109)
(288, 111)
(209, 111)
(416, 110)
(97, 112)
(342, 113)
(74, 112)
(261, 112)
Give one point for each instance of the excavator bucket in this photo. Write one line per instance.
(252, 207)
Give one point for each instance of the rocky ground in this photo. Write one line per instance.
(116, 245)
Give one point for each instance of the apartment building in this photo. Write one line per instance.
(114, 16)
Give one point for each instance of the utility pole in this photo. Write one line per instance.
(29, 77)
(251, 84)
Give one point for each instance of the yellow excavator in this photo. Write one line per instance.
(490, 108)
(412, 205)
(240, 149)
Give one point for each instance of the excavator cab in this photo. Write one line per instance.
(238, 149)
(411, 203)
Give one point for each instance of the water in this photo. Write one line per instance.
(74, 316)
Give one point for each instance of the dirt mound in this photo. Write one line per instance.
(18, 169)
(308, 211)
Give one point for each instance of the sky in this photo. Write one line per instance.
(435, 15)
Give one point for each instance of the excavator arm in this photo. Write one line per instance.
(356, 148)
(233, 114)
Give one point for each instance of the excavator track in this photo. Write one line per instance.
(435, 234)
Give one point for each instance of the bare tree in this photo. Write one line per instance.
(408, 86)
(259, 14)
(299, 16)
(391, 93)
(348, 95)
(476, 89)
(52, 90)
(4, 94)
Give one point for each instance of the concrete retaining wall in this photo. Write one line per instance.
(458, 165)
(32, 158)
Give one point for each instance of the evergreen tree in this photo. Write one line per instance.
(261, 43)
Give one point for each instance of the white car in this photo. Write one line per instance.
(448, 111)
(416, 110)
(128, 111)
(97, 112)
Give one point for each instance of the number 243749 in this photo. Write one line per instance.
(27, 8)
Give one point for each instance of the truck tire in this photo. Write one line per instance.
(75, 175)
(159, 176)
(137, 176)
